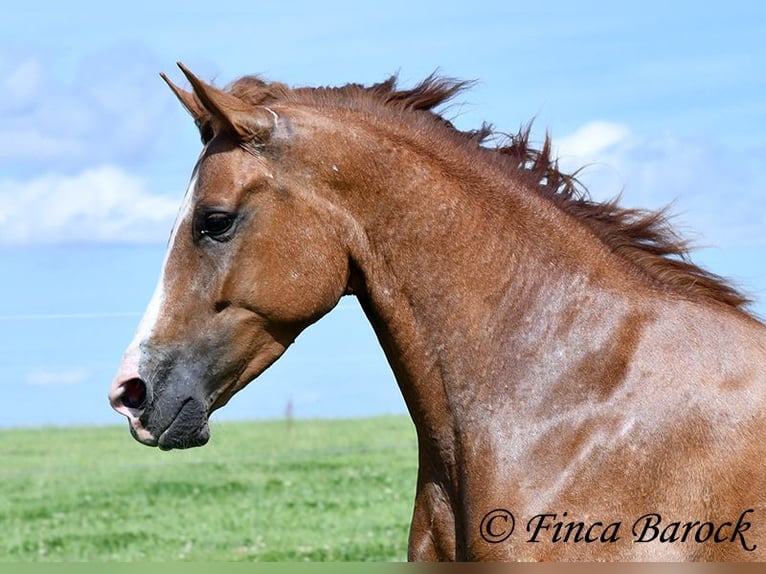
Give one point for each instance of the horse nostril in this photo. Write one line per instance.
(133, 394)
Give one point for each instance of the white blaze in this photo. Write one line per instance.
(152, 314)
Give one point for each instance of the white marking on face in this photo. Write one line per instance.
(273, 113)
(152, 314)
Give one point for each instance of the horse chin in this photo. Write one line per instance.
(198, 437)
(188, 429)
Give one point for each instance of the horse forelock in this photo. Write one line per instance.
(644, 238)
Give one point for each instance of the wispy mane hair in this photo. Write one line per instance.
(643, 238)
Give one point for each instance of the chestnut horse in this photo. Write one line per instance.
(580, 389)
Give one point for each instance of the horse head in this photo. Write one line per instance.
(251, 262)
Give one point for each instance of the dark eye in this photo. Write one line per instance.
(215, 224)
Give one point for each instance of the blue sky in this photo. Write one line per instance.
(663, 100)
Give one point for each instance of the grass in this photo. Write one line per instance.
(259, 491)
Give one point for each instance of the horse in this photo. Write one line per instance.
(580, 389)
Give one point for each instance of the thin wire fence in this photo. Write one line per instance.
(55, 316)
(103, 314)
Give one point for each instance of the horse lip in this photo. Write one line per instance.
(200, 439)
(179, 433)
(140, 433)
(165, 439)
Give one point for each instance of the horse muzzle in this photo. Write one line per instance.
(167, 420)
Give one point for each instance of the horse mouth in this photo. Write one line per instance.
(187, 429)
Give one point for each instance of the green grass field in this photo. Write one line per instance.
(260, 491)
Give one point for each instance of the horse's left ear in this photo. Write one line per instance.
(187, 99)
(244, 121)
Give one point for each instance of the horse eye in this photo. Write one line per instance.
(215, 224)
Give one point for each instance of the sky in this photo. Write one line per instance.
(662, 101)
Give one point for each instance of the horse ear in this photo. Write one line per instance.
(187, 99)
(243, 120)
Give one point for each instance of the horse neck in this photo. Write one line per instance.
(460, 271)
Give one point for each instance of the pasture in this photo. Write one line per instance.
(316, 490)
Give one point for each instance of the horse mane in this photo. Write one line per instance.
(645, 239)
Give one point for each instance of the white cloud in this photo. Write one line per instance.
(104, 204)
(592, 139)
(716, 192)
(56, 378)
(110, 108)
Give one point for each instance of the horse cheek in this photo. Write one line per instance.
(299, 291)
